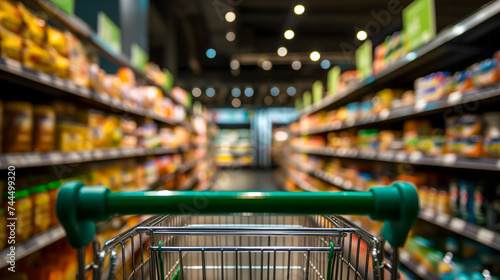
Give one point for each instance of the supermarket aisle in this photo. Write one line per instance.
(245, 180)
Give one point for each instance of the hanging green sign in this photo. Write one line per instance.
(307, 99)
(419, 23)
(67, 6)
(317, 91)
(364, 59)
(138, 57)
(333, 80)
(109, 32)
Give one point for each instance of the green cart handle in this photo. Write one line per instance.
(79, 206)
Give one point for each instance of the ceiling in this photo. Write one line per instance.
(181, 31)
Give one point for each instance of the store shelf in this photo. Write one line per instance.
(299, 182)
(419, 109)
(406, 260)
(190, 184)
(188, 166)
(14, 71)
(415, 158)
(462, 227)
(235, 165)
(23, 160)
(442, 52)
(32, 245)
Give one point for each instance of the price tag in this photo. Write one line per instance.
(457, 225)
(401, 156)
(85, 91)
(13, 65)
(43, 77)
(336, 125)
(114, 153)
(348, 185)
(442, 219)
(338, 181)
(371, 154)
(86, 155)
(98, 154)
(342, 152)
(115, 102)
(73, 157)
(55, 157)
(58, 82)
(384, 114)
(421, 270)
(415, 157)
(449, 159)
(350, 122)
(71, 86)
(485, 235)
(428, 214)
(420, 105)
(403, 256)
(454, 98)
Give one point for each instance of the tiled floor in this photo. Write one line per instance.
(245, 180)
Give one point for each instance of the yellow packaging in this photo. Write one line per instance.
(79, 63)
(11, 45)
(57, 40)
(10, 17)
(34, 28)
(37, 58)
(41, 209)
(73, 137)
(60, 66)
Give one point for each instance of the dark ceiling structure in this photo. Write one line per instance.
(181, 32)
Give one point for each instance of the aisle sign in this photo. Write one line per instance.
(419, 23)
(333, 80)
(317, 91)
(307, 99)
(298, 104)
(109, 32)
(138, 57)
(67, 6)
(364, 59)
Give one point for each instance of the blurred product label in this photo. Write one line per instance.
(67, 6)
(419, 23)
(333, 80)
(317, 91)
(138, 57)
(307, 99)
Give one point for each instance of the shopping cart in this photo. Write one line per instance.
(259, 235)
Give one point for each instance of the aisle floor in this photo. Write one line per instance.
(246, 180)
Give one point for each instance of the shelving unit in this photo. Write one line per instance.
(416, 158)
(434, 56)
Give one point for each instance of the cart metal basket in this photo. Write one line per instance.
(247, 243)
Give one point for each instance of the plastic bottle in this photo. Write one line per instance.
(19, 125)
(53, 189)
(24, 207)
(479, 205)
(464, 197)
(454, 198)
(41, 208)
(45, 125)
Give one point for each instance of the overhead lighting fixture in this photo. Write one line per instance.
(275, 91)
(230, 36)
(315, 56)
(296, 65)
(299, 9)
(361, 35)
(235, 64)
(211, 53)
(210, 92)
(325, 64)
(282, 51)
(196, 92)
(249, 92)
(268, 100)
(230, 16)
(236, 103)
(291, 91)
(267, 65)
(289, 34)
(236, 92)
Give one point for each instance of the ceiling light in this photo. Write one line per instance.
(361, 35)
(267, 65)
(249, 92)
(296, 65)
(299, 9)
(291, 91)
(325, 64)
(289, 34)
(235, 64)
(211, 53)
(210, 92)
(315, 56)
(230, 36)
(236, 103)
(196, 92)
(268, 100)
(236, 92)
(230, 16)
(282, 51)
(275, 91)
